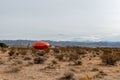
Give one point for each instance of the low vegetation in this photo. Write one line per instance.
(110, 57)
(3, 45)
(68, 76)
(79, 60)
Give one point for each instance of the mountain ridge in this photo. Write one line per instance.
(65, 43)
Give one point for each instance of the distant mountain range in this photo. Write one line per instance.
(63, 43)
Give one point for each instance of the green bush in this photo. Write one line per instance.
(3, 45)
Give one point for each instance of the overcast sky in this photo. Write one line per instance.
(60, 19)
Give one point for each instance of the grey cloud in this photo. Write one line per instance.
(45, 19)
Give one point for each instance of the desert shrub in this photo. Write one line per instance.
(34, 50)
(110, 57)
(27, 58)
(59, 56)
(67, 54)
(47, 50)
(94, 69)
(29, 63)
(68, 76)
(73, 56)
(77, 62)
(14, 69)
(40, 53)
(101, 74)
(39, 60)
(21, 51)
(3, 45)
(98, 52)
(56, 50)
(54, 61)
(18, 62)
(11, 52)
(81, 51)
(51, 66)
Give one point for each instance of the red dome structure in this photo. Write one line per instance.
(41, 45)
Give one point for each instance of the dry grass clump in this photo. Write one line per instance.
(89, 76)
(110, 57)
(67, 56)
(13, 69)
(17, 51)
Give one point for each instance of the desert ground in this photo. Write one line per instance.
(60, 63)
